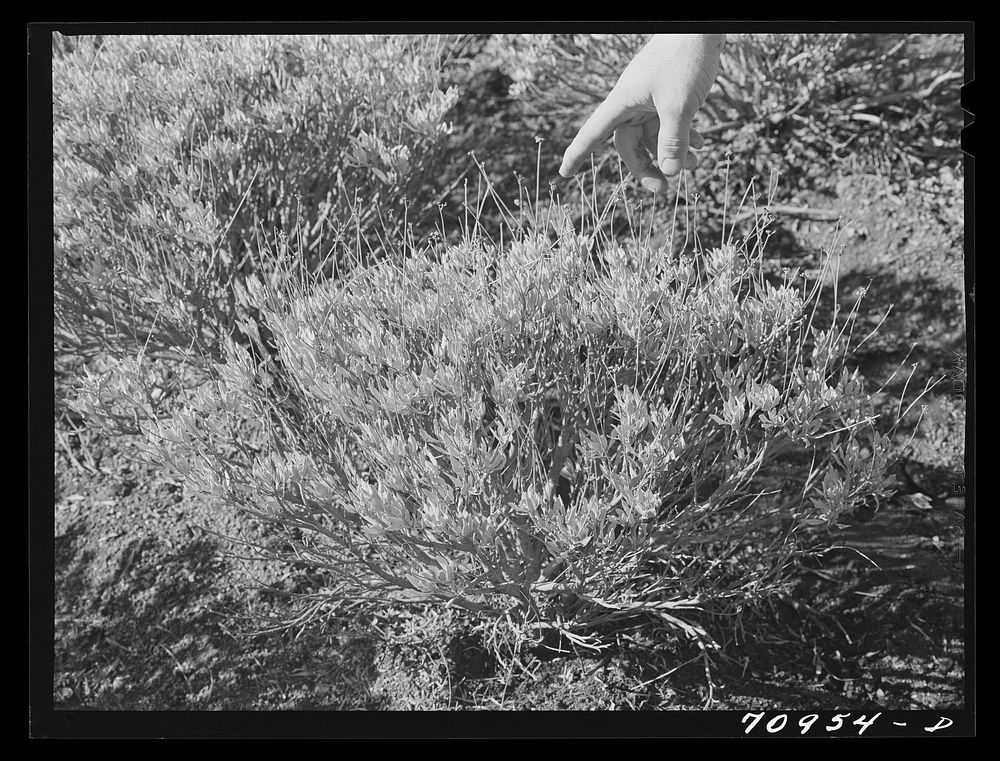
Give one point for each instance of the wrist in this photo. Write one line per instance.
(709, 40)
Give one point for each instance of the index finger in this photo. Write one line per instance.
(596, 130)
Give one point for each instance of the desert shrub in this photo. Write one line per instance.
(180, 161)
(532, 430)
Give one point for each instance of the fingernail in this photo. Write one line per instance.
(654, 184)
(670, 167)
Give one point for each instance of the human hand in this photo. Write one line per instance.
(651, 107)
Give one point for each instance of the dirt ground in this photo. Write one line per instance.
(151, 613)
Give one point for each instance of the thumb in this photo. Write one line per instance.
(672, 144)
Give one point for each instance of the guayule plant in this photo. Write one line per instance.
(176, 156)
(571, 437)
